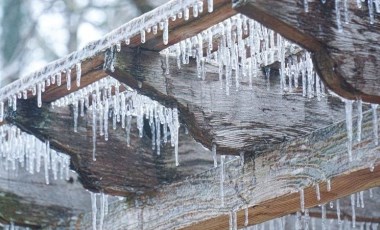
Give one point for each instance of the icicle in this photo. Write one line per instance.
(79, 73)
(377, 5)
(128, 129)
(317, 191)
(75, 111)
(328, 184)
(105, 119)
(214, 155)
(348, 106)
(302, 199)
(46, 161)
(353, 210)
(331, 204)
(371, 12)
(59, 79)
(370, 193)
(39, 100)
(186, 13)
(359, 4)
(94, 210)
(142, 34)
(337, 11)
(323, 207)
(195, 10)
(360, 120)
(306, 219)
(165, 34)
(167, 70)
(361, 194)
(158, 136)
(68, 79)
(298, 224)
(1, 111)
(93, 126)
(233, 220)
(345, 11)
(246, 220)
(210, 5)
(338, 211)
(102, 207)
(375, 124)
(14, 102)
(306, 5)
(222, 157)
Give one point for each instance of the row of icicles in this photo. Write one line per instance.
(373, 6)
(37, 82)
(21, 150)
(243, 47)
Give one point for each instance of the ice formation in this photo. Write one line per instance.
(108, 99)
(240, 46)
(343, 5)
(21, 150)
(52, 73)
(102, 211)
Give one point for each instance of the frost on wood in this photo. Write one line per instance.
(21, 150)
(112, 103)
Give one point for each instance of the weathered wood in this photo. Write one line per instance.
(26, 200)
(92, 71)
(268, 184)
(180, 29)
(118, 169)
(346, 61)
(247, 120)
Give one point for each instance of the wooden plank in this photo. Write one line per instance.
(180, 29)
(268, 184)
(119, 169)
(247, 120)
(27, 201)
(347, 61)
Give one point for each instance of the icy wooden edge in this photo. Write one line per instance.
(117, 36)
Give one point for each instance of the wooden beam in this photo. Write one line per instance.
(119, 169)
(268, 184)
(247, 120)
(27, 201)
(346, 61)
(180, 29)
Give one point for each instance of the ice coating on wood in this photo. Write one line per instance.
(21, 150)
(107, 99)
(121, 34)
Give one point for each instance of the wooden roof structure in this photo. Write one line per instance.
(269, 143)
